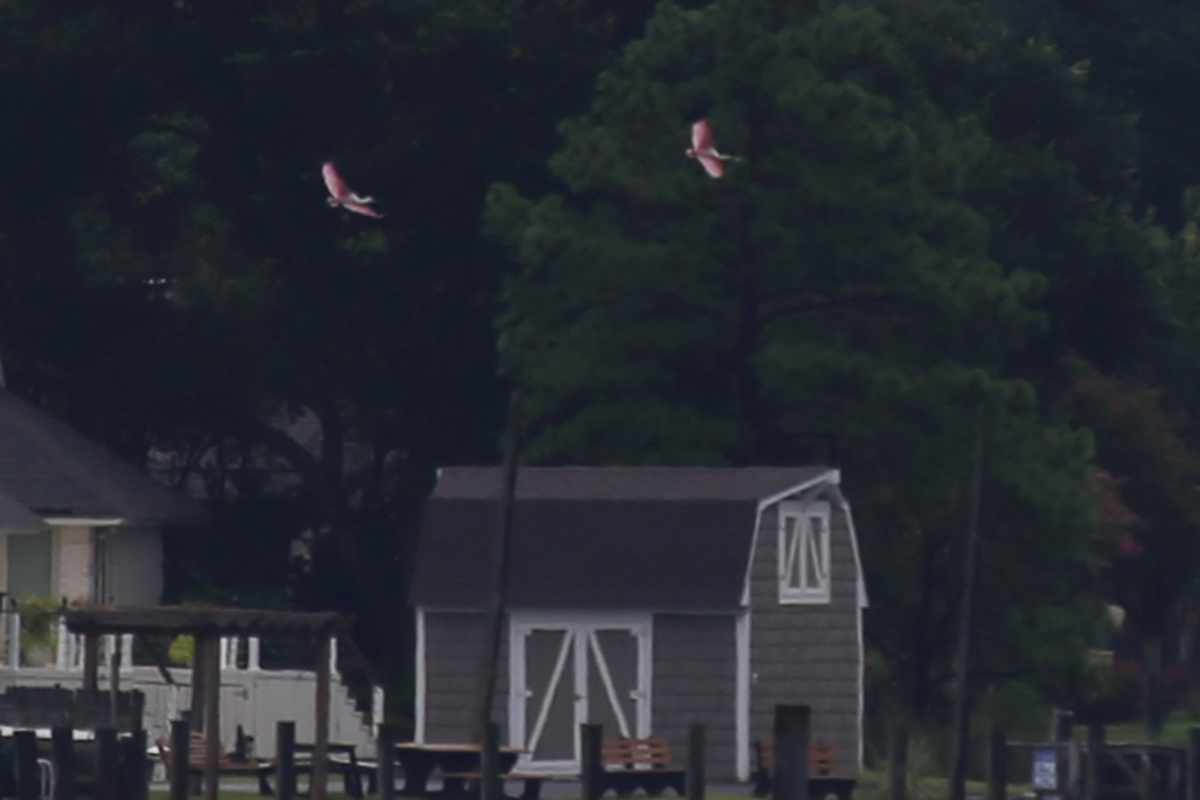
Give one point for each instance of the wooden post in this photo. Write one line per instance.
(212, 716)
(694, 781)
(591, 737)
(197, 715)
(320, 762)
(1153, 682)
(135, 783)
(285, 759)
(107, 764)
(62, 756)
(28, 771)
(1192, 780)
(1095, 753)
(1064, 725)
(997, 788)
(91, 662)
(114, 681)
(790, 781)
(181, 743)
(897, 773)
(388, 734)
(491, 787)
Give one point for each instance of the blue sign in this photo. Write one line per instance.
(1045, 769)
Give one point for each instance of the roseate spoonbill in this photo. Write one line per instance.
(340, 194)
(702, 150)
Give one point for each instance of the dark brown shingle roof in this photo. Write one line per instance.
(598, 537)
(53, 470)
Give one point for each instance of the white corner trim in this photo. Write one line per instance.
(844, 505)
(419, 705)
(742, 697)
(830, 477)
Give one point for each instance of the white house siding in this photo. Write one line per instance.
(807, 654)
(133, 567)
(695, 681)
(72, 574)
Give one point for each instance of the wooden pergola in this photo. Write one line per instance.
(207, 625)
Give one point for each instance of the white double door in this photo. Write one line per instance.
(565, 671)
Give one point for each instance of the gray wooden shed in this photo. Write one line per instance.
(644, 598)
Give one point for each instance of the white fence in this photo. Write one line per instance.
(251, 696)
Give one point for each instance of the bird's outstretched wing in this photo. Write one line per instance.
(702, 138)
(333, 181)
(360, 208)
(713, 166)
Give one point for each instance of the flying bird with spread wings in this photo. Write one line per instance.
(341, 195)
(705, 152)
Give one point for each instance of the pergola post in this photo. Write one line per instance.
(320, 773)
(212, 712)
(91, 661)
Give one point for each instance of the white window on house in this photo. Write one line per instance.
(804, 552)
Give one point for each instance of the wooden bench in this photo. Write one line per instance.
(228, 764)
(631, 764)
(822, 768)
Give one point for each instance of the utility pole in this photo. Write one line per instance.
(499, 577)
(962, 694)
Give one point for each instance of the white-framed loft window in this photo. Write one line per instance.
(804, 552)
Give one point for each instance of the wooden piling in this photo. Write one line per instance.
(388, 734)
(107, 764)
(997, 786)
(181, 743)
(62, 756)
(695, 762)
(491, 788)
(1192, 779)
(28, 772)
(1095, 753)
(285, 759)
(591, 736)
(790, 781)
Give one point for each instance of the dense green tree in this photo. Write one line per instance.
(909, 236)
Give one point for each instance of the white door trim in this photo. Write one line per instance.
(579, 638)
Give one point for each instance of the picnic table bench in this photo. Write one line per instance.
(227, 764)
(822, 772)
(632, 763)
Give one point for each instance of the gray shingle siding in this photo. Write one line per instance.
(806, 653)
(695, 670)
(453, 650)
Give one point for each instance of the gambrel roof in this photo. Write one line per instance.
(600, 537)
(49, 470)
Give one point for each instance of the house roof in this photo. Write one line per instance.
(52, 470)
(599, 537)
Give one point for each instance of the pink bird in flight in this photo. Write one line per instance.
(340, 194)
(705, 152)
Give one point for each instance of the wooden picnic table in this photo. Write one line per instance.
(342, 757)
(420, 759)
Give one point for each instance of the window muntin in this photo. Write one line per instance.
(804, 552)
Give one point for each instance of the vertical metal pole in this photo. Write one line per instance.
(495, 616)
(695, 762)
(962, 695)
(790, 781)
